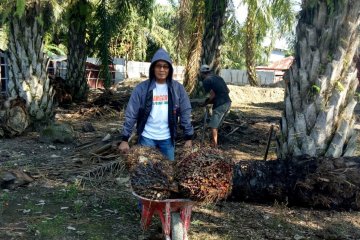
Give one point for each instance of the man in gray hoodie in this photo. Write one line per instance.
(156, 106)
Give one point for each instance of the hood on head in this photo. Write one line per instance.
(161, 54)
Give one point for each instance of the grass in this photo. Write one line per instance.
(49, 228)
(112, 216)
(71, 192)
(4, 202)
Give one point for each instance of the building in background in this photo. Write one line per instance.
(279, 68)
(4, 76)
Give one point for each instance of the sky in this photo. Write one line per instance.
(162, 2)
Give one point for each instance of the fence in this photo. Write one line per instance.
(239, 77)
(131, 69)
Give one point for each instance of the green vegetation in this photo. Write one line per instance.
(4, 201)
(315, 89)
(49, 228)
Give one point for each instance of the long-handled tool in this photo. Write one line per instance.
(206, 113)
(269, 141)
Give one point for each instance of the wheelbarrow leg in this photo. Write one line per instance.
(185, 214)
(167, 219)
(146, 214)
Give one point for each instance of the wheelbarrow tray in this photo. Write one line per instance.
(168, 211)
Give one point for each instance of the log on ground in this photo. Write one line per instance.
(331, 183)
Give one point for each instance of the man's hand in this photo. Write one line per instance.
(188, 144)
(206, 102)
(124, 147)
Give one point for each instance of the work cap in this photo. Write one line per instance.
(204, 68)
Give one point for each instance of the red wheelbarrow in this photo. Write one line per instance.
(174, 214)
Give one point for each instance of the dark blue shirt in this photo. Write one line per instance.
(218, 85)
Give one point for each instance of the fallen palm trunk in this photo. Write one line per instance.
(152, 175)
(205, 175)
(317, 182)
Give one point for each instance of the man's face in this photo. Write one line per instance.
(162, 69)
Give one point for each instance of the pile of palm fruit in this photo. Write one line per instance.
(151, 174)
(203, 175)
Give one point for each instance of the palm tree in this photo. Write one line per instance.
(27, 22)
(184, 27)
(111, 17)
(263, 17)
(250, 46)
(79, 12)
(212, 38)
(206, 38)
(318, 119)
(232, 50)
(317, 126)
(140, 33)
(131, 41)
(195, 25)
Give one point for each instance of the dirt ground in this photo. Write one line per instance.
(77, 194)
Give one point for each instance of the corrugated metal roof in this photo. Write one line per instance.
(282, 64)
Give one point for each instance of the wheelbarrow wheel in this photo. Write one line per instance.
(177, 230)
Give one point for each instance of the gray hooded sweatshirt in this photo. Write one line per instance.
(140, 103)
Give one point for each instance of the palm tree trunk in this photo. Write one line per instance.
(250, 45)
(318, 119)
(357, 60)
(183, 27)
(102, 14)
(194, 53)
(214, 17)
(214, 20)
(76, 59)
(27, 74)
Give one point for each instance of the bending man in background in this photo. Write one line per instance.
(219, 97)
